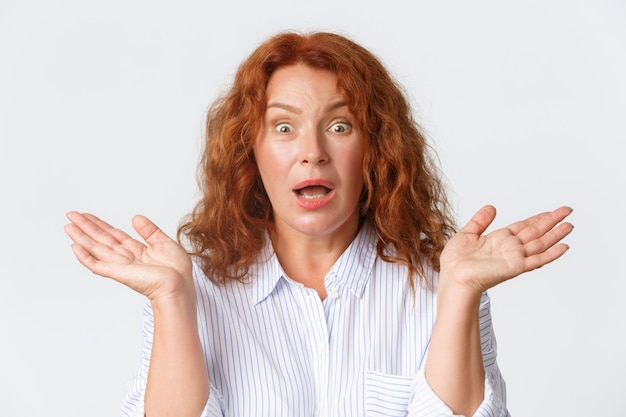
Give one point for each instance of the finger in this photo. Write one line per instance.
(90, 253)
(539, 222)
(544, 258)
(124, 239)
(78, 235)
(480, 221)
(120, 235)
(92, 229)
(548, 240)
(106, 268)
(95, 249)
(149, 231)
(87, 260)
(542, 224)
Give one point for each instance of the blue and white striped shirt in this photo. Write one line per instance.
(273, 348)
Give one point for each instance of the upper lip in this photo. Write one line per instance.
(314, 183)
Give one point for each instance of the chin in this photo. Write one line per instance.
(326, 227)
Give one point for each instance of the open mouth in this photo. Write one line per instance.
(312, 192)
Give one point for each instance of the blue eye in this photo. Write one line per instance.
(340, 127)
(284, 128)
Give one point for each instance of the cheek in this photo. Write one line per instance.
(271, 162)
(355, 162)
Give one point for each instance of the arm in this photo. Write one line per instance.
(470, 264)
(178, 382)
(454, 367)
(161, 270)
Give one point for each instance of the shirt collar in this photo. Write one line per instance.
(352, 270)
(265, 273)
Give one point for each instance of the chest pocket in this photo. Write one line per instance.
(386, 395)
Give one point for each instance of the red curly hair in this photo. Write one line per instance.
(403, 197)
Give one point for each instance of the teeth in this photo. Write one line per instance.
(313, 192)
(311, 196)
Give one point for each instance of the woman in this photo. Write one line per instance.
(323, 249)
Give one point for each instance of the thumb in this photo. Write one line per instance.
(480, 221)
(149, 231)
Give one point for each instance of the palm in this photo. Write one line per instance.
(154, 269)
(483, 261)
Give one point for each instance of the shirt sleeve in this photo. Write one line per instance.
(133, 405)
(425, 403)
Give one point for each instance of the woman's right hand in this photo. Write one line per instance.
(159, 269)
(178, 382)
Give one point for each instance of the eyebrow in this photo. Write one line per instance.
(289, 107)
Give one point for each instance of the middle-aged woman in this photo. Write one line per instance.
(325, 276)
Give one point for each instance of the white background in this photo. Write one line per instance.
(101, 109)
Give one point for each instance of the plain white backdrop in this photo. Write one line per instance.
(101, 110)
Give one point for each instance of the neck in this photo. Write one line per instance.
(308, 258)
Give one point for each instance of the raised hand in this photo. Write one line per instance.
(479, 262)
(157, 269)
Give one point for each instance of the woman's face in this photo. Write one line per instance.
(309, 152)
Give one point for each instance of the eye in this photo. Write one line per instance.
(284, 128)
(340, 127)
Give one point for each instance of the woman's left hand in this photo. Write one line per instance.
(477, 262)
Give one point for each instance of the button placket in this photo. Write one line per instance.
(319, 327)
(331, 289)
(323, 358)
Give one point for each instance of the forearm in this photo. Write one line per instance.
(178, 382)
(454, 368)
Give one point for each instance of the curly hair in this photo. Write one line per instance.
(403, 197)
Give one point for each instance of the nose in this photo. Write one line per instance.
(312, 148)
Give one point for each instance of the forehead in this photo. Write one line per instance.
(301, 81)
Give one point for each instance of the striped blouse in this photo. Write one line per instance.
(273, 348)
